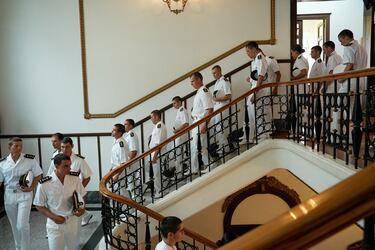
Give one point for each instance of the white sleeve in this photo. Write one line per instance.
(1, 176)
(262, 67)
(274, 66)
(40, 196)
(36, 168)
(80, 189)
(133, 143)
(85, 169)
(349, 56)
(123, 153)
(185, 117)
(207, 102)
(227, 88)
(302, 65)
(51, 168)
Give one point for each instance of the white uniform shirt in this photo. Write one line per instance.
(10, 171)
(333, 60)
(299, 64)
(182, 117)
(158, 135)
(79, 165)
(202, 102)
(120, 152)
(273, 67)
(132, 140)
(55, 153)
(222, 88)
(258, 65)
(163, 246)
(317, 69)
(356, 55)
(57, 196)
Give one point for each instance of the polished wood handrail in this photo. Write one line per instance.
(317, 218)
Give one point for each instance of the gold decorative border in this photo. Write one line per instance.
(88, 115)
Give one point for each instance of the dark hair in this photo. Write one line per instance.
(197, 75)
(13, 140)
(58, 135)
(59, 158)
(169, 224)
(156, 112)
(346, 33)
(177, 98)
(216, 67)
(67, 140)
(298, 48)
(329, 44)
(131, 122)
(252, 45)
(120, 128)
(317, 48)
(227, 237)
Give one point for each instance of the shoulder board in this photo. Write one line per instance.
(131, 134)
(121, 144)
(159, 125)
(2, 159)
(80, 156)
(271, 57)
(181, 109)
(226, 79)
(259, 57)
(319, 60)
(29, 156)
(52, 158)
(205, 89)
(45, 179)
(74, 173)
(299, 57)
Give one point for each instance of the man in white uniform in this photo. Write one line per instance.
(257, 77)
(56, 139)
(172, 231)
(221, 96)
(332, 61)
(181, 122)
(133, 143)
(202, 107)
(54, 200)
(317, 68)
(18, 199)
(273, 71)
(80, 166)
(158, 135)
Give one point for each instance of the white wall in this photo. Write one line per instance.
(345, 14)
(133, 48)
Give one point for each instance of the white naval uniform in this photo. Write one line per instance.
(259, 65)
(79, 165)
(317, 68)
(18, 203)
(182, 117)
(333, 61)
(354, 54)
(158, 135)
(273, 67)
(163, 246)
(222, 88)
(133, 145)
(119, 155)
(202, 102)
(57, 197)
(299, 64)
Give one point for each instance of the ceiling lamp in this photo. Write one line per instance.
(176, 6)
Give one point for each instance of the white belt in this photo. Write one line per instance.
(13, 190)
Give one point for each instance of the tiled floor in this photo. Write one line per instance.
(38, 231)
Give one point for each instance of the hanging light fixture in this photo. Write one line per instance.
(176, 6)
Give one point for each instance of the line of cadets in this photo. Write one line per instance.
(53, 196)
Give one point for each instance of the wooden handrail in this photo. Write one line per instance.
(317, 218)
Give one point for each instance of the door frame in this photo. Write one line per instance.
(324, 16)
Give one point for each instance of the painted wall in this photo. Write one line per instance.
(339, 17)
(133, 47)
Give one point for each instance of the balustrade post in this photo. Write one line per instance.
(318, 114)
(151, 181)
(368, 234)
(247, 120)
(199, 147)
(357, 120)
(147, 235)
(292, 118)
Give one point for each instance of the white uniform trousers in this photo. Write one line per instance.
(18, 206)
(194, 149)
(251, 113)
(156, 170)
(222, 128)
(181, 152)
(63, 236)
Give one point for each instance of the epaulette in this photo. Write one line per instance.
(294, 69)
(3, 159)
(319, 60)
(205, 89)
(44, 179)
(271, 57)
(74, 173)
(29, 156)
(121, 144)
(259, 57)
(181, 109)
(299, 57)
(80, 156)
(215, 92)
(159, 125)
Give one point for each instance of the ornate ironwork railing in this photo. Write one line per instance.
(324, 112)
